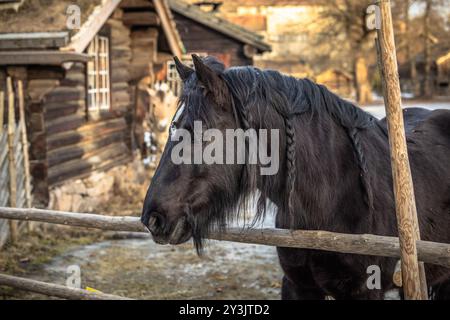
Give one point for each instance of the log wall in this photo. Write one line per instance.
(67, 140)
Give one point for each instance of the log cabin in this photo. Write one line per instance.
(85, 68)
(205, 33)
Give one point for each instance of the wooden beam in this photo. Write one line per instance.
(364, 244)
(414, 282)
(54, 290)
(170, 30)
(56, 58)
(34, 40)
(136, 4)
(141, 18)
(92, 26)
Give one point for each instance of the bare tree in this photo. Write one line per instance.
(427, 85)
(348, 18)
(410, 55)
(434, 35)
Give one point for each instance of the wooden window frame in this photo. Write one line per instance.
(98, 76)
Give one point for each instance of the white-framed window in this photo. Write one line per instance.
(98, 75)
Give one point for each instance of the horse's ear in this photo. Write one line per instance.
(183, 70)
(210, 79)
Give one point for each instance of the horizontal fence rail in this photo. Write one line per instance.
(54, 290)
(364, 244)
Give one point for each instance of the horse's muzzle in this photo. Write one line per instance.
(179, 233)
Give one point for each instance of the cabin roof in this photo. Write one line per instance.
(48, 28)
(219, 24)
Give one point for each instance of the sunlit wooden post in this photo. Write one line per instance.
(413, 275)
(26, 157)
(12, 164)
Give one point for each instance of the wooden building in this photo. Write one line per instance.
(85, 89)
(207, 34)
(438, 73)
(443, 74)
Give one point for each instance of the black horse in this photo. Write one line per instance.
(335, 175)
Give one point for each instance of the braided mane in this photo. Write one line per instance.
(291, 97)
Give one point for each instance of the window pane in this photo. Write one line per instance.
(98, 75)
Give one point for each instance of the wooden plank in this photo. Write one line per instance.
(33, 40)
(62, 109)
(54, 290)
(41, 57)
(71, 122)
(105, 166)
(141, 18)
(414, 281)
(12, 167)
(362, 244)
(136, 4)
(3, 150)
(88, 163)
(79, 150)
(37, 72)
(63, 94)
(86, 133)
(92, 26)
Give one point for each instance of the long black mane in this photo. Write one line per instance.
(268, 99)
(262, 92)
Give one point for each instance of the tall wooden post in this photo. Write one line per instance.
(413, 276)
(12, 164)
(26, 158)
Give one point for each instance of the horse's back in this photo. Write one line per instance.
(429, 148)
(412, 118)
(438, 122)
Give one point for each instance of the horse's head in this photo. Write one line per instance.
(189, 194)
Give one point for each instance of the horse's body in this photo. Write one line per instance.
(335, 175)
(311, 274)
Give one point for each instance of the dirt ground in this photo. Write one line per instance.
(137, 267)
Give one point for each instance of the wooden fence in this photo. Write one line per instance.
(363, 244)
(15, 184)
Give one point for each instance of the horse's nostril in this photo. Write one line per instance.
(155, 222)
(152, 222)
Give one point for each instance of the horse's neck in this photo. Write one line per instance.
(327, 169)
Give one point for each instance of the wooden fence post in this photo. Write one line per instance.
(12, 166)
(2, 110)
(413, 276)
(26, 163)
